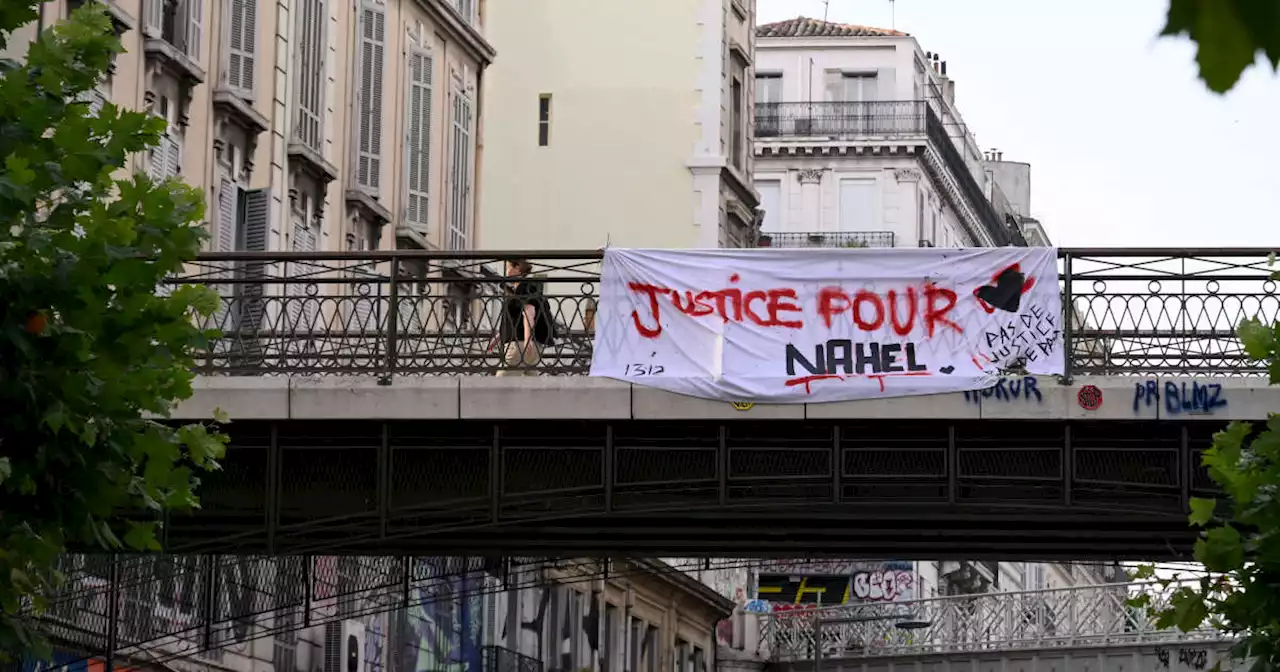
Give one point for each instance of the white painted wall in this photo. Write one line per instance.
(639, 127)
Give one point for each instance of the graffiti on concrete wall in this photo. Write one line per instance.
(890, 585)
(803, 566)
(1024, 389)
(866, 582)
(441, 629)
(1179, 398)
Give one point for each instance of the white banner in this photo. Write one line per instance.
(815, 325)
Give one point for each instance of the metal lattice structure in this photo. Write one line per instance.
(1080, 616)
(158, 608)
(1127, 311)
(877, 488)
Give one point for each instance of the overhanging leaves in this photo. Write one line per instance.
(1229, 34)
(87, 345)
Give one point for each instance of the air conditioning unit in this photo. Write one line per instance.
(344, 646)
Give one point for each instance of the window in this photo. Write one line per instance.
(769, 88)
(460, 173)
(309, 62)
(771, 201)
(242, 38)
(418, 151)
(373, 41)
(178, 22)
(633, 645)
(737, 128)
(857, 87)
(609, 658)
(467, 8)
(858, 205)
(544, 120)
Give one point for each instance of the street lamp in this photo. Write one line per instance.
(902, 621)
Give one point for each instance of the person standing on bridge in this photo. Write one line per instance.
(526, 326)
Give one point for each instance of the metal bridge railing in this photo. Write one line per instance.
(1126, 311)
(1039, 619)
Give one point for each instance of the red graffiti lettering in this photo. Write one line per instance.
(862, 298)
(868, 308)
(899, 327)
(763, 307)
(935, 314)
(782, 301)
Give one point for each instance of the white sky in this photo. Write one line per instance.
(1127, 147)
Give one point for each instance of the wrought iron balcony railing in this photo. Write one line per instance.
(499, 659)
(828, 239)
(840, 119)
(1066, 617)
(1131, 311)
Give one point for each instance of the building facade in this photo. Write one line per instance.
(859, 144)
(561, 616)
(651, 148)
(309, 125)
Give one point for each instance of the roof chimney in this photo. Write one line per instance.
(944, 68)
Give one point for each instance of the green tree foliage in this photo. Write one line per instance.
(1239, 543)
(91, 355)
(1229, 35)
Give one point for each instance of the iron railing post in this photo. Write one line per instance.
(1068, 320)
(393, 323)
(113, 612)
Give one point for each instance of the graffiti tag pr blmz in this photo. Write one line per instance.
(1180, 398)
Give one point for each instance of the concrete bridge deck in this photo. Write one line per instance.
(1104, 398)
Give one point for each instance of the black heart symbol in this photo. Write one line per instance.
(1007, 292)
(947, 369)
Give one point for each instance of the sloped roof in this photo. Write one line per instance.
(805, 27)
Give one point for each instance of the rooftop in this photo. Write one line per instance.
(805, 27)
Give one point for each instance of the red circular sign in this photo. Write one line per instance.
(1090, 397)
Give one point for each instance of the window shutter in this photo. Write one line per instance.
(228, 195)
(242, 44)
(255, 225)
(228, 199)
(158, 160)
(195, 15)
(310, 66)
(152, 17)
(373, 28)
(418, 152)
(256, 220)
(173, 157)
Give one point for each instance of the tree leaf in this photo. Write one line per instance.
(141, 536)
(1221, 549)
(1201, 511)
(1258, 339)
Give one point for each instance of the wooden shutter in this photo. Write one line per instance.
(224, 241)
(310, 66)
(195, 30)
(373, 35)
(173, 157)
(152, 17)
(418, 141)
(256, 225)
(242, 43)
(157, 160)
(228, 197)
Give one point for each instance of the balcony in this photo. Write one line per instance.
(827, 239)
(840, 120)
(499, 659)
